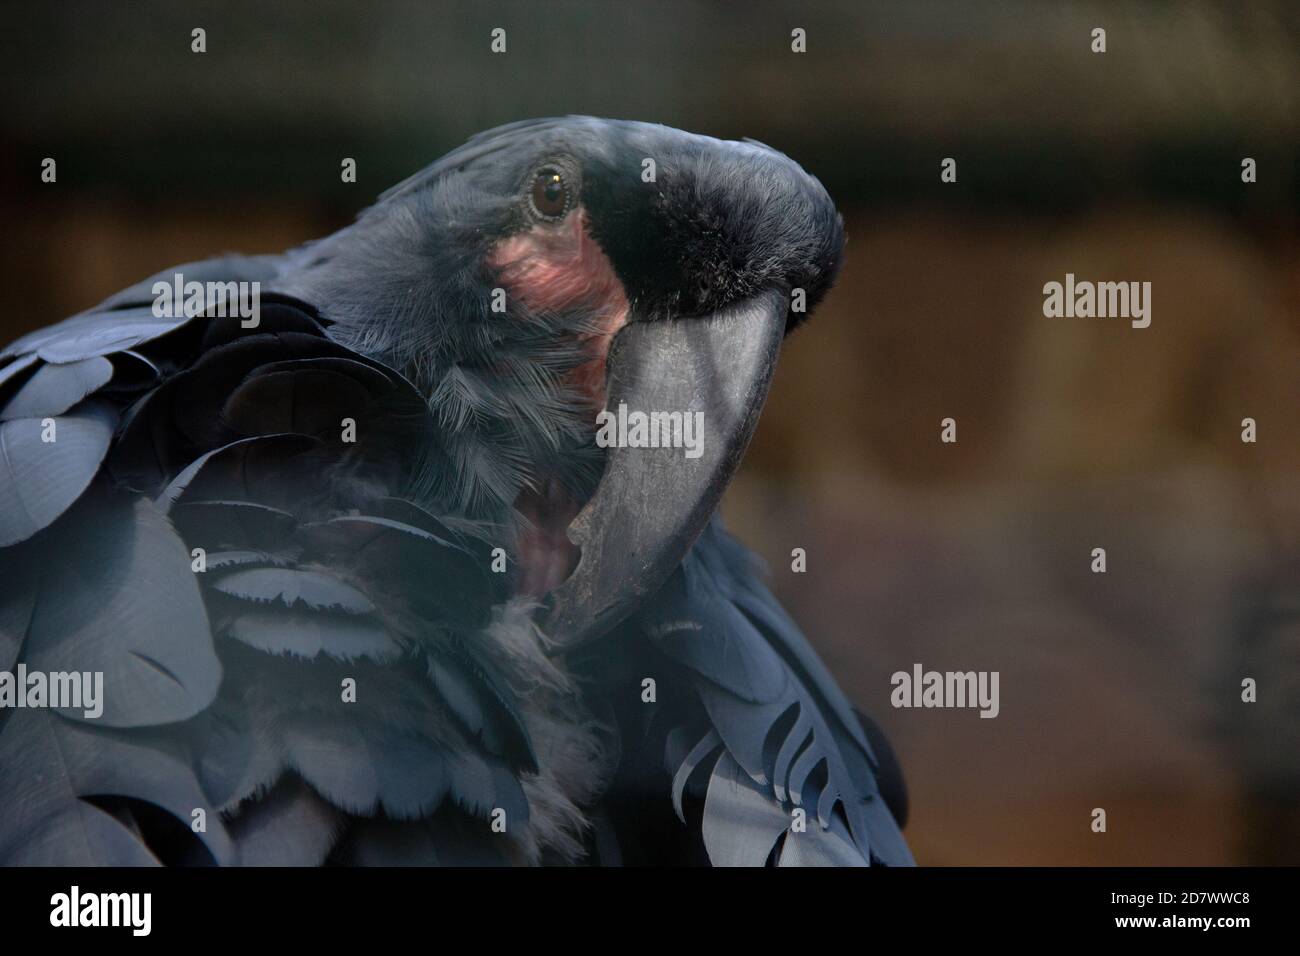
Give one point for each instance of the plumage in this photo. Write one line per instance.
(46, 464)
(120, 600)
(55, 772)
(53, 389)
(317, 557)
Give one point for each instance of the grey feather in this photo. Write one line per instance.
(290, 587)
(291, 826)
(17, 602)
(234, 268)
(362, 767)
(231, 470)
(307, 635)
(13, 370)
(233, 525)
(39, 480)
(482, 703)
(817, 847)
(53, 389)
(52, 765)
(698, 626)
(235, 754)
(90, 334)
(119, 598)
(220, 560)
(791, 745)
(741, 823)
(480, 786)
(706, 746)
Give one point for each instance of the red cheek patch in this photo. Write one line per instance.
(560, 268)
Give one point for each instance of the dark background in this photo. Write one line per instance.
(1119, 690)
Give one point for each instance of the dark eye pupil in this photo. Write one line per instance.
(550, 194)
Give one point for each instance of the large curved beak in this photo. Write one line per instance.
(653, 502)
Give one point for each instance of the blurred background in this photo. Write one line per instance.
(1120, 691)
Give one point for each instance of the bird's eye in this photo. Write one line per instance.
(550, 193)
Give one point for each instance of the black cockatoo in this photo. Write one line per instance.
(362, 583)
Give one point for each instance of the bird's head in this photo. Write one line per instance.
(548, 270)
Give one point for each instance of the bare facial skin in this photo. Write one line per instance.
(558, 267)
